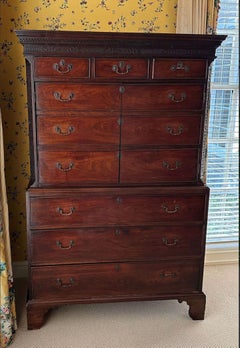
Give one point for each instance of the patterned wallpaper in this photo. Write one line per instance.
(82, 15)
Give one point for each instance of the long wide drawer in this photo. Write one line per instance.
(113, 280)
(115, 244)
(94, 208)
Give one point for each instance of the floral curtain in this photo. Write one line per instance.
(8, 323)
(199, 17)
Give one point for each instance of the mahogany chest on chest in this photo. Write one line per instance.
(116, 209)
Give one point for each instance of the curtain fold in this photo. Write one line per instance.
(8, 323)
(199, 17)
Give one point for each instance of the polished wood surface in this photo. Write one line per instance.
(116, 208)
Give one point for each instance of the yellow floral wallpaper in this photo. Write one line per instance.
(82, 15)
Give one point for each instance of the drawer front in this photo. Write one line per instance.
(157, 97)
(179, 68)
(61, 67)
(182, 130)
(94, 210)
(115, 244)
(68, 168)
(80, 129)
(121, 68)
(50, 96)
(155, 166)
(113, 280)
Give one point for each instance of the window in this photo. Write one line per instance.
(222, 165)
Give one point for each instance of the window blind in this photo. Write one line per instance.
(222, 163)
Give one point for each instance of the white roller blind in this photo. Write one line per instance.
(222, 165)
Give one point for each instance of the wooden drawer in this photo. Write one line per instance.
(81, 129)
(159, 166)
(179, 68)
(182, 130)
(114, 280)
(79, 208)
(73, 168)
(85, 97)
(61, 67)
(121, 68)
(115, 244)
(159, 97)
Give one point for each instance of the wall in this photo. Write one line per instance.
(82, 15)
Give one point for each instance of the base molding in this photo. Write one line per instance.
(221, 256)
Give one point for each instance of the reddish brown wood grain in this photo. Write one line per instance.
(116, 209)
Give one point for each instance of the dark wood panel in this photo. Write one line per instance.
(157, 97)
(72, 168)
(158, 166)
(61, 67)
(77, 96)
(87, 128)
(179, 68)
(78, 210)
(114, 280)
(160, 130)
(121, 68)
(115, 244)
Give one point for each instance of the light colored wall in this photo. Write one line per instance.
(82, 15)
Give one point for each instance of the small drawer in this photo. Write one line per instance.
(122, 68)
(57, 67)
(84, 209)
(179, 68)
(159, 166)
(75, 168)
(163, 97)
(73, 96)
(115, 244)
(85, 128)
(159, 130)
(114, 280)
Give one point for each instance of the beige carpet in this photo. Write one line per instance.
(158, 324)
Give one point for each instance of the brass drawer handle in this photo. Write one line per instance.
(173, 98)
(58, 96)
(170, 243)
(61, 67)
(69, 246)
(179, 66)
(64, 213)
(175, 131)
(168, 211)
(168, 275)
(168, 166)
(69, 131)
(122, 68)
(67, 169)
(65, 285)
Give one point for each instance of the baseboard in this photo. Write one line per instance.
(214, 256)
(221, 256)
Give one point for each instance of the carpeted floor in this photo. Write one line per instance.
(158, 324)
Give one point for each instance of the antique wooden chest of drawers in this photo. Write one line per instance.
(116, 208)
